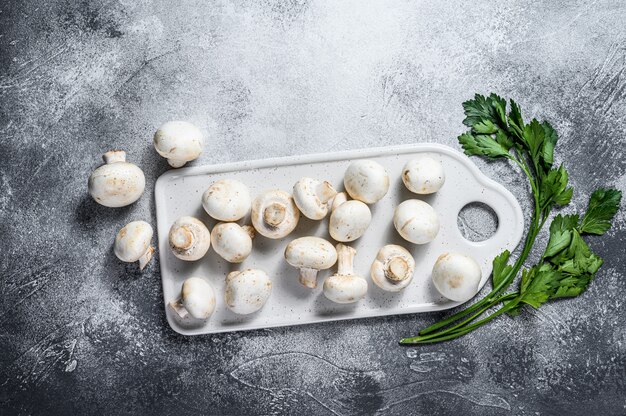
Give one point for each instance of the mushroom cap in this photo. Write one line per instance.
(345, 288)
(456, 276)
(416, 221)
(366, 181)
(231, 241)
(227, 200)
(349, 221)
(198, 298)
(311, 197)
(393, 268)
(274, 214)
(189, 238)
(311, 252)
(423, 175)
(179, 142)
(132, 241)
(116, 183)
(247, 291)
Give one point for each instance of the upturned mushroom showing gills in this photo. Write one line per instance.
(197, 299)
(247, 291)
(366, 181)
(349, 221)
(456, 276)
(227, 200)
(344, 286)
(416, 221)
(423, 175)
(117, 183)
(312, 196)
(189, 239)
(274, 214)
(310, 255)
(232, 242)
(179, 142)
(393, 268)
(132, 243)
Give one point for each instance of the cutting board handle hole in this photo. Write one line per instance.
(477, 221)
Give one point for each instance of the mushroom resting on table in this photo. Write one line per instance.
(349, 220)
(423, 175)
(312, 196)
(366, 181)
(117, 183)
(232, 242)
(132, 243)
(310, 255)
(179, 142)
(416, 221)
(274, 214)
(227, 200)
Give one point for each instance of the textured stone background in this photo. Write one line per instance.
(81, 332)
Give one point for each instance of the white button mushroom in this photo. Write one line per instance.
(416, 221)
(232, 242)
(349, 221)
(456, 276)
(117, 183)
(366, 181)
(393, 268)
(423, 175)
(344, 286)
(197, 299)
(247, 291)
(179, 142)
(274, 214)
(189, 239)
(339, 199)
(132, 243)
(227, 200)
(312, 196)
(310, 255)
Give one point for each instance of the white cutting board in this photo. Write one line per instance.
(178, 192)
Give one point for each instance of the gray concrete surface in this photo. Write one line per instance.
(81, 333)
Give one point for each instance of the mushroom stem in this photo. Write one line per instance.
(145, 258)
(250, 230)
(177, 306)
(308, 277)
(175, 163)
(397, 269)
(114, 156)
(339, 199)
(345, 259)
(182, 238)
(325, 191)
(274, 214)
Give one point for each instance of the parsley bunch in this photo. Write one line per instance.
(567, 265)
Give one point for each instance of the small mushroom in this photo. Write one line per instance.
(423, 175)
(232, 241)
(179, 142)
(117, 183)
(310, 255)
(393, 268)
(366, 181)
(132, 243)
(344, 286)
(456, 276)
(197, 299)
(247, 291)
(312, 196)
(416, 221)
(349, 221)
(189, 239)
(227, 200)
(274, 214)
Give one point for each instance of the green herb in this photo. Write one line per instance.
(568, 265)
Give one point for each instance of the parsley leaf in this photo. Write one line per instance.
(482, 145)
(500, 267)
(603, 206)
